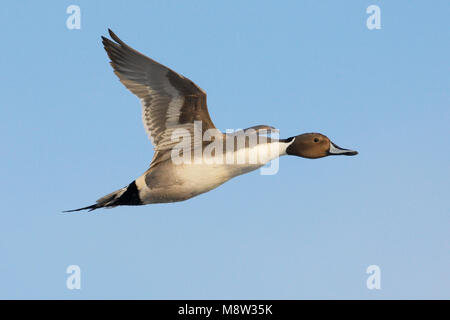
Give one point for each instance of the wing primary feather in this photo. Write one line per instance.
(169, 100)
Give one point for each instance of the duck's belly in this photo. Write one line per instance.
(174, 183)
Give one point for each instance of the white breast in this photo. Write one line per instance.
(183, 181)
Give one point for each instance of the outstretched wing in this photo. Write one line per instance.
(169, 100)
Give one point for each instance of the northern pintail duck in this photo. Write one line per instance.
(174, 111)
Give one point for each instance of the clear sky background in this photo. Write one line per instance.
(72, 133)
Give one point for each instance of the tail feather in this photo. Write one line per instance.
(109, 201)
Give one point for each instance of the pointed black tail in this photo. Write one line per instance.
(90, 208)
(128, 196)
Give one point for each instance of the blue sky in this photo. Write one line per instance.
(72, 133)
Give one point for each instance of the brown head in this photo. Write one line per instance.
(315, 145)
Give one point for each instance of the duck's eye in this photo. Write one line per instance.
(316, 139)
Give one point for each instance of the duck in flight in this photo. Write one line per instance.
(172, 104)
